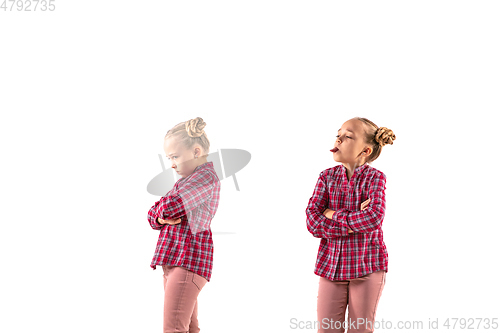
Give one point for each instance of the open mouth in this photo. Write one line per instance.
(334, 150)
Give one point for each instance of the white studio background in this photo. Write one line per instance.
(89, 90)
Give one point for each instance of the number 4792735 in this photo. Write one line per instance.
(471, 323)
(28, 5)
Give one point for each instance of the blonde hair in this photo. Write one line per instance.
(377, 137)
(190, 133)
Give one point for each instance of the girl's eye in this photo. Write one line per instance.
(346, 137)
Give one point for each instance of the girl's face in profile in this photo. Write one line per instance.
(350, 143)
(182, 159)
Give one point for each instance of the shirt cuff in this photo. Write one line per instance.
(154, 218)
(333, 223)
(340, 216)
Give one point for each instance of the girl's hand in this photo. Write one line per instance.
(364, 204)
(329, 214)
(171, 222)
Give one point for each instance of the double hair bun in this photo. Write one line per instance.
(194, 127)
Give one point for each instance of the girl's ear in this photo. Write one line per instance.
(197, 152)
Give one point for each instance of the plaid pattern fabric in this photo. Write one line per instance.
(188, 244)
(344, 255)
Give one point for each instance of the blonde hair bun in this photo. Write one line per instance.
(194, 127)
(384, 136)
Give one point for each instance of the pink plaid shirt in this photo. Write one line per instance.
(188, 244)
(344, 255)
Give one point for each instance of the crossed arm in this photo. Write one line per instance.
(174, 205)
(329, 213)
(326, 223)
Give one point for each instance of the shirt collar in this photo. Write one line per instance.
(203, 166)
(199, 167)
(359, 169)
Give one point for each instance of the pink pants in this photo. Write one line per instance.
(180, 310)
(362, 294)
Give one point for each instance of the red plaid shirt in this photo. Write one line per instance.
(344, 255)
(188, 244)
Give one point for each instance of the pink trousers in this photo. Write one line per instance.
(180, 310)
(362, 294)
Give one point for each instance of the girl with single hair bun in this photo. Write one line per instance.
(195, 127)
(183, 216)
(190, 132)
(346, 211)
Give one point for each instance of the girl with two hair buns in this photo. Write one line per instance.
(346, 211)
(185, 247)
